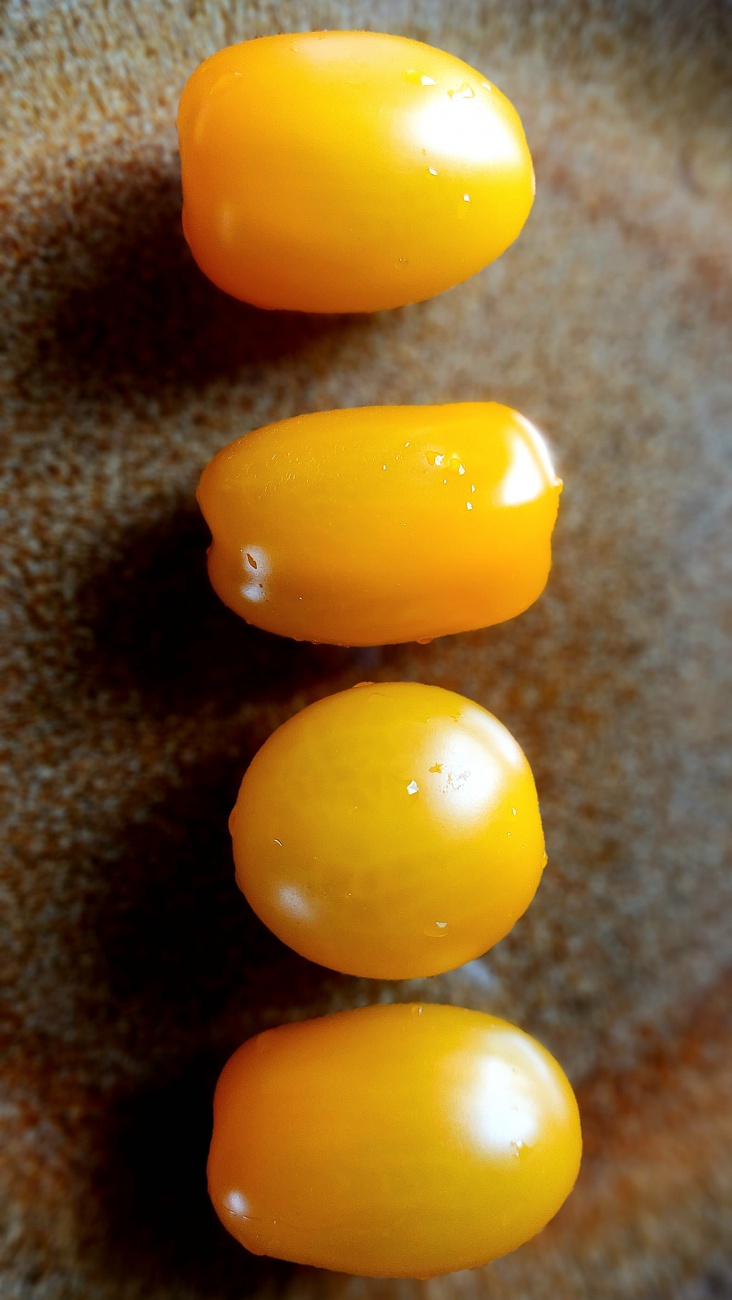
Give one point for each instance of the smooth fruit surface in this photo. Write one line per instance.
(347, 171)
(393, 1141)
(382, 524)
(392, 831)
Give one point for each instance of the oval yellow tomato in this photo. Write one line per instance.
(347, 171)
(393, 1141)
(382, 524)
(391, 830)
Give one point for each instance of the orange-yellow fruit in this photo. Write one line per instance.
(347, 171)
(391, 830)
(382, 524)
(394, 1141)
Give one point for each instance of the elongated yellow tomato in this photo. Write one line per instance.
(347, 171)
(382, 524)
(394, 1141)
(391, 830)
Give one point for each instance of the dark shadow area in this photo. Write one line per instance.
(149, 622)
(164, 954)
(176, 941)
(151, 1184)
(181, 961)
(129, 311)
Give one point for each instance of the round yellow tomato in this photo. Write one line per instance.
(393, 1141)
(347, 171)
(382, 524)
(391, 830)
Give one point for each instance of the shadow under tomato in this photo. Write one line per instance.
(159, 1225)
(183, 971)
(147, 621)
(123, 310)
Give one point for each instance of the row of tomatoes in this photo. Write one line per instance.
(393, 830)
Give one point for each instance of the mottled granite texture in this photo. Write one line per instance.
(133, 700)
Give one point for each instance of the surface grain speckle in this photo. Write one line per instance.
(132, 700)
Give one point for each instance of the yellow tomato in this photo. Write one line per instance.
(347, 171)
(382, 524)
(393, 1141)
(391, 830)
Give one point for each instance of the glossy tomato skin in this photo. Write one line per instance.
(382, 524)
(393, 1141)
(391, 830)
(347, 171)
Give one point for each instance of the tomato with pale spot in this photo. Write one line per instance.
(347, 171)
(392, 1141)
(382, 524)
(391, 830)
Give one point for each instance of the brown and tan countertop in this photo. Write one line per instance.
(133, 700)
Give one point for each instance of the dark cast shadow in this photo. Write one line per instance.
(148, 623)
(123, 310)
(176, 968)
(159, 1225)
(186, 972)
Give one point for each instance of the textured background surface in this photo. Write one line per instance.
(131, 966)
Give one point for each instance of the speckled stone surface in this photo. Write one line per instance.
(131, 966)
